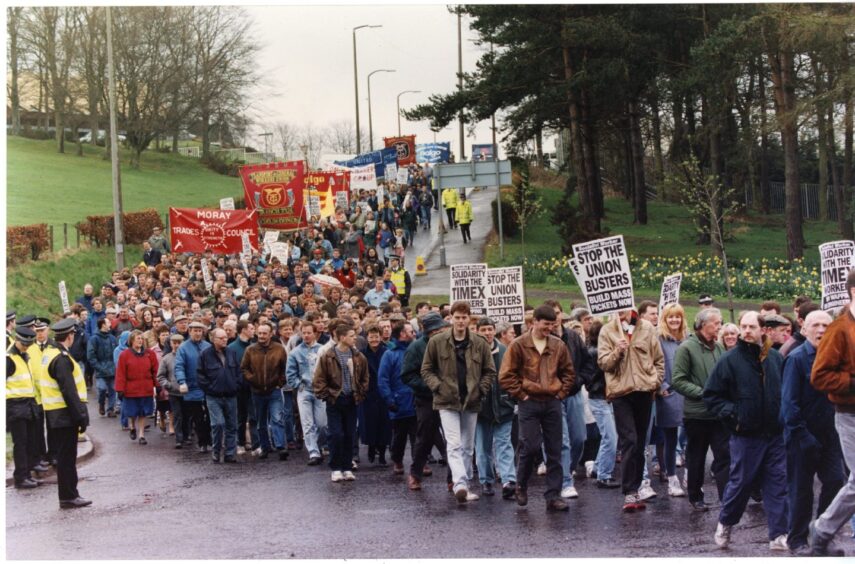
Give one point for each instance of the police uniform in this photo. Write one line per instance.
(21, 410)
(10, 336)
(401, 279)
(63, 392)
(46, 451)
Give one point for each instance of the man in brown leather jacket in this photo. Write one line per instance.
(538, 372)
(341, 380)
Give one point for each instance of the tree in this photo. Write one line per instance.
(526, 204)
(13, 23)
(340, 137)
(286, 137)
(310, 141)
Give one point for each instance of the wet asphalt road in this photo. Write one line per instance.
(155, 502)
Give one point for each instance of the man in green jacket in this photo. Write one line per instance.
(458, 368)
(693, 364)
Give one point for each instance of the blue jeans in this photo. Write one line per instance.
(106, 392)
(605, 416)
(288, 399)
(269, 410)
(682, 439)
(750, 458)
(223, 415)
(491, 436)
(313, 418)
(425, 214)
(574, 434)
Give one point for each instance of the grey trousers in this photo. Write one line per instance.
(843, 506)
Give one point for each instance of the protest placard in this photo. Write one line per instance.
(391, 170)
(341, 200)
(244, 265)
(206, 274)
(602, 270)
(468, 283)
(279, 251)
(227, 203)
(313, 205)
(246, 249)
(670, 293)
(379, 159)
(838, 259)
(363, 178)
(506, 294)
(403, 176)
(63, 297)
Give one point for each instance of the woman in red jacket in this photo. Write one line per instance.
(136, 378)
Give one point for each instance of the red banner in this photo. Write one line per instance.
(276, 191)
(321, 188)
(406, 147)
(220, 231)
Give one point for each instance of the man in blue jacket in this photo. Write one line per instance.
(220, 378)
(397, 395)
(299, 371)
(744, 392)
(186, 364)
(813, 447)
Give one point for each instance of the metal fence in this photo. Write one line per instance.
(810, 200)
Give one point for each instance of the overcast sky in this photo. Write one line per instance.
(306, 58)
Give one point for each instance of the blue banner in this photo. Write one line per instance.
(433, 152)
(482, 152)
(379, 159)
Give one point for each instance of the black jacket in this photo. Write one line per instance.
(75, 414)
(216, 378)
(597, 384)
(745, 392)
(583, 364)
(411, 370)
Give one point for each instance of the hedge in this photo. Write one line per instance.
(26, 242)
(137, 227)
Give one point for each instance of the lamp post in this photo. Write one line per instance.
(399, 106)
(266, 136)
(356, 84)
(370, 125)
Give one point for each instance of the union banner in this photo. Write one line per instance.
(219, 231)
(275, 190)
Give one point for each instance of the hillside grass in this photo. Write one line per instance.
(44, 186)
(669, 232)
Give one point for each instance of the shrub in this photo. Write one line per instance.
(220, 166)
(137, 227)
(510, 227)
(26, 242)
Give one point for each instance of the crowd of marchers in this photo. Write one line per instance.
(268, 362)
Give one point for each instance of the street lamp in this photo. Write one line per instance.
(266, 136)
(356, 84)
(399, 106)
(370, 125)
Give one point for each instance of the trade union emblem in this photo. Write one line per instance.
(273, 196)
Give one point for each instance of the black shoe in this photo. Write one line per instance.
(803, 550)
(215, 457)
(40, 468)
(101, 411)
(557, 505)
(111, 413)
(264, 454)
(610, 483)
(74, 503)
(699, 505)
(38, 481)
(143, 441)
(522, 496)
(26, 484)
(508, 490)
(487, 489)
(230, 459)
(283, 455)
(431, 459)
(314, 461)
(820, 547)
(133, 434)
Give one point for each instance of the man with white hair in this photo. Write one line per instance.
(813, 447)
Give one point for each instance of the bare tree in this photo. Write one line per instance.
(340, 137)
(91, 64)
(311, 144)
(286, 137)
(12, 27)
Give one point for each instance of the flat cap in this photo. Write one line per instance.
(64, 327)
(198, 325)
(705, 299)
(25, 321)
(181, 317)
(433, 321)
(774, 320)
(25, 335)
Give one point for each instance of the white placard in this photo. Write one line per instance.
(63, 297)
(403, 176)
(244, 265)
(209, 282)
(469, 283)
(838, 259)
(391, 171)
(227, 204)
(670, 293)
(280, 251)
(363, 178)
(269, 237)
(506, 294)
(341, 200)
(602, 270)
(313, 205)
(247, 246)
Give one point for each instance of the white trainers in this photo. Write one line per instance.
(779, 543)
(569, 493)
(472, 496)
(722, 535)
(337, 476)
(681, 461)
(541, 470)
(674, 488)
(257, 452)
(589, 468)
(348, 475)
(241, 450)
(646, 492)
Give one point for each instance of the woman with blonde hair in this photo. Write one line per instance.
(669, 404)
(728, 335)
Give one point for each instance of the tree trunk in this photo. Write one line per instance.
(846, 213)
(822, 142)
(765, 188)
(637, 147)
(592, 165)
(837, 188)
(538, 149)
(629, 185)
(656, 126)
(14, 97)
(783, 79)
(206, 134)
(576, 146)
(175, 140)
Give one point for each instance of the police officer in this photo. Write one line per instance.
(21, 408)
(47, 451)
(401, 279)
(64, 398)
(10, 328)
